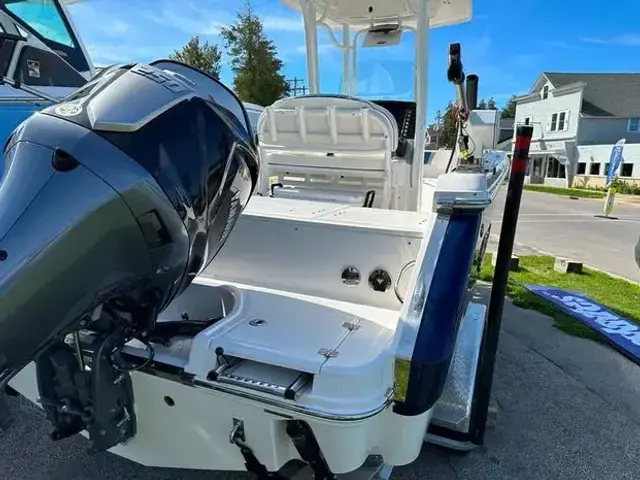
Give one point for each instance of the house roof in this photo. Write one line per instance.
(605, 94)
(507, 122)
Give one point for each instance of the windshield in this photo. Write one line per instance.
(253, 119)
(46, 21)
(386, 72)
(43, 17)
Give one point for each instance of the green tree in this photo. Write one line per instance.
(509, 110)
(449, 127)
(436, 126)
(254, 60)
(202, 56)
(438, 119)
(487, 104)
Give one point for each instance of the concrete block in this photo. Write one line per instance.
(513, 265)
(564, 265)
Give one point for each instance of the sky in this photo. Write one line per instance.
(507, 43)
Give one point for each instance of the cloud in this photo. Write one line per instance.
(291, 24)
(201, 22)
(195, 20)
(114, 27)
(109, 53)
(322, 48)
(629, 40)
(558, 44)
(109, 24)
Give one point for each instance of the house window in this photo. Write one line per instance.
(559, 121)
(526, 120)
(634, 124)
(627, 170)
(582, 168)
(555, 169)
(606, 169)
(545, 92)
(594, 169)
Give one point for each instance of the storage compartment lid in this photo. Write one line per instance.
(286, 332)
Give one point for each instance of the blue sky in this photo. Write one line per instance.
(507, 43)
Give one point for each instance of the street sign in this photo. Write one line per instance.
(615, 159)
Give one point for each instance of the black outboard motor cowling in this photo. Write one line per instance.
(111, 202)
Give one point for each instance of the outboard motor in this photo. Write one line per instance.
(111, 203)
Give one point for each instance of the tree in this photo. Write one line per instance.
(509, 110)
(435, 127)
(487, 104)
(254, 60)
(203, 56)
(449, 127)
(438, 120)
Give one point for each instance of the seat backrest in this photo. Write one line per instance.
(328, 143)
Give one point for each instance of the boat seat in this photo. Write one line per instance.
(328, 147)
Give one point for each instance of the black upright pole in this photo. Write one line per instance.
(472, 92)
(499, 285)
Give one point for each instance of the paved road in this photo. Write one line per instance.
(568, 227)
(568, 409)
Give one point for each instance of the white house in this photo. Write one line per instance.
(576, 119)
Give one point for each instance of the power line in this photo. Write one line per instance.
(294, 89)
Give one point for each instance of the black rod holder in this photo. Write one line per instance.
(484, 382)
(472, 92)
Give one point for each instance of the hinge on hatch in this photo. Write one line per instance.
(351, 326)
(328, 352)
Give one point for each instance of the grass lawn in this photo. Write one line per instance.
(619, 295)
(568, 192)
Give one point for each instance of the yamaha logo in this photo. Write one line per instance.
(68, 109)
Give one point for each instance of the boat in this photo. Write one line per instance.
(49, 56)
(324, 325)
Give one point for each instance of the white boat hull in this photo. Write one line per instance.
(194, 431)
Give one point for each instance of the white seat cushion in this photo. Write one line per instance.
(328, 137)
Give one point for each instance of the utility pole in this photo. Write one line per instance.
(295, 89)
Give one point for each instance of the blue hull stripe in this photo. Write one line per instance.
(446, 299)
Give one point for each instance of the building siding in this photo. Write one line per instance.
(598, 131)
(600, 154)
(540, 111)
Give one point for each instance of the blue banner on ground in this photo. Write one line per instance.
(623, 334)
